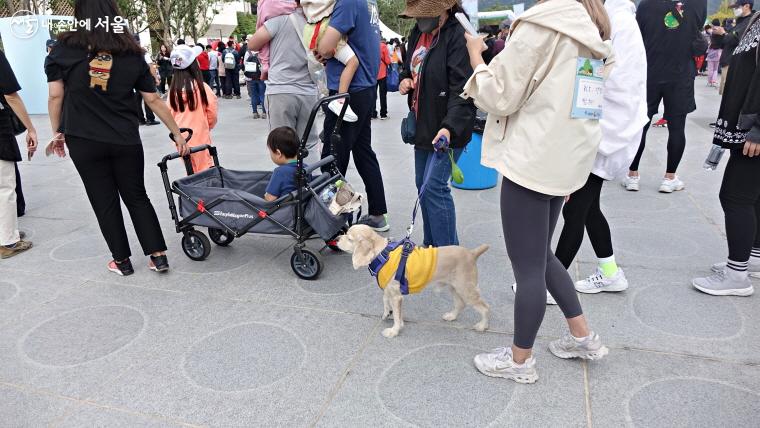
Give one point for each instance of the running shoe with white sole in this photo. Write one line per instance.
(631, 184)
(549, 299)
(336, 106)
(377, 223)
(597, 283)
(723, 284)
(587, 348)
(499, 363)
(671, 185)
(753, 269)
(123, 268)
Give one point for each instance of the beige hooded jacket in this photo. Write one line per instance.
(527, 90)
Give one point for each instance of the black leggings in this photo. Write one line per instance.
(740, 198)
(583, 210)
(529, 219)
(110, 171)
(676, 143)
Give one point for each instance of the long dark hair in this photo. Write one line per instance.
(183, 84)
(100, 38)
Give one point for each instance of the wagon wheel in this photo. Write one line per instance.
(220, 237)
(196, 245)
(308, 265)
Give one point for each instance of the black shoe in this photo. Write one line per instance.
(159, 264)
(153, 122)
(123, 268)
(713, 125)
(237, 97)
(142, 121)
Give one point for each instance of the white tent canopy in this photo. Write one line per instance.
(387, 33)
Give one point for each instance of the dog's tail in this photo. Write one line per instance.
(479, 251)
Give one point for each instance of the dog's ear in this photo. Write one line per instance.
(363, 253)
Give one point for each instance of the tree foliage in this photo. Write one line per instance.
(389, 11)
(724, 12)
(246, 24)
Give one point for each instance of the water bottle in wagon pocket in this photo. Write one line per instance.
(328, 193)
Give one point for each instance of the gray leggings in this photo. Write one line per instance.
(528, 219)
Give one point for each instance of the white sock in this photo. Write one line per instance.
(755, 253)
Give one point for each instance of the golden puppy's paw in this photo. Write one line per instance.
(450, 316)
(481, 326)
(390, 332)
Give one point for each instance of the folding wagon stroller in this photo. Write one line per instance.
(231, 203)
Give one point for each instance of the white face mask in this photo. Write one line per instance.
(739, 11)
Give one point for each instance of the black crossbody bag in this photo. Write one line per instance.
(17, 127)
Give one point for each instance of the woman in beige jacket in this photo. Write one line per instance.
(545, 150)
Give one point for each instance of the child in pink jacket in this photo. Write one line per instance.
(192, 102)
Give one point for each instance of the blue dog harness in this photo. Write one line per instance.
(441, 147)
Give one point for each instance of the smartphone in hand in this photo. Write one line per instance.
(467, 25)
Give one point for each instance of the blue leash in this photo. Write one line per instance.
(441, 148)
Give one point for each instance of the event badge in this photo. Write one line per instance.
(589, 89)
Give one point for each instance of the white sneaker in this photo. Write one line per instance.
(499, 363)
(631, 184)
(597, 283)
(336, 106)
(549, 299)
(753, 270)
(587, 348)
(670, 186)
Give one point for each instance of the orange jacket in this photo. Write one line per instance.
(385, 61)
(201, 121)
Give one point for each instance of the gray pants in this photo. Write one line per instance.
(528, 219)
(293, 110)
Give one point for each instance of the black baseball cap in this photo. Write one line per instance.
(740, 3)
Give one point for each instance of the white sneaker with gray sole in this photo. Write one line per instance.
(587, 348)
(499, 363)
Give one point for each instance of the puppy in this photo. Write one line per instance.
(456, 269)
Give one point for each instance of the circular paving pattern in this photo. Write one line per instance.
(683, 311)
(8, 290)
(446, 389)
(83, 335)
(694, 402)
(87, 247)
(654, 242)
(234, 359)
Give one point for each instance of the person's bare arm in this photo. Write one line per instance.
(17, 105)
(329, 43)
(162, 111)
(260, 38)
(55, 104)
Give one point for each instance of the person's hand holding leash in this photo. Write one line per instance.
(443, 133)
(57, 145)
(406, 86)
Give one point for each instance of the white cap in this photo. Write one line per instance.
(183, 55)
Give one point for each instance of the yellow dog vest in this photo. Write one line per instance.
(420, 267)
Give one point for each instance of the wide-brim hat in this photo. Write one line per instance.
(426, 8)
(183, 56)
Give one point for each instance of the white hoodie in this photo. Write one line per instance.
(527, 89)
(625, 92)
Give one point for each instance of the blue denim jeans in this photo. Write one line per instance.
(256, 90)
(439, 216)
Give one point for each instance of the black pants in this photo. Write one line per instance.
(206, 76)
(676, 143)
(20, 202)
(166, 79)
(232, 82)
(528, 219)
(740, 199)
(356, 138)
(139, 104)
(110, 172)
(583, 210)
(382, 89)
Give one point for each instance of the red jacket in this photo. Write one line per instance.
(385, 61)
(203, 61)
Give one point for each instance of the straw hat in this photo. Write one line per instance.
(426, 8)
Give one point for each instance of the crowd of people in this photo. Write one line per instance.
(554, 149)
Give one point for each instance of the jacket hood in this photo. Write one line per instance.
(570, 18)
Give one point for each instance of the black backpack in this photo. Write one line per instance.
(252, 67)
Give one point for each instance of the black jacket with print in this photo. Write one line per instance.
(444, 72)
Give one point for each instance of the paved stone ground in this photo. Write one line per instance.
(237, 340)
